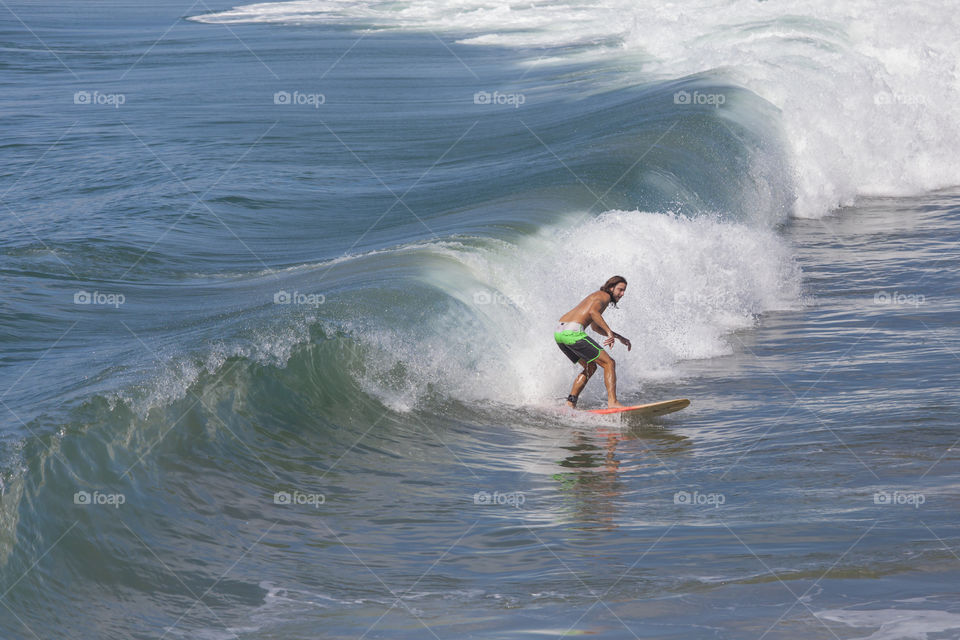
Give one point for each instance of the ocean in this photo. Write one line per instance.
(280, 283)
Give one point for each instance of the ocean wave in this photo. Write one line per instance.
(868, 99)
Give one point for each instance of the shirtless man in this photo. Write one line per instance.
(572, 339)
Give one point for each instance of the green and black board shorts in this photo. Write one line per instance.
(575, 343)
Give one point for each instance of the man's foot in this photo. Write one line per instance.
(571, 405)
(615, 405)
(572, 401)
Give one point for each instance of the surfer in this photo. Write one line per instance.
(572, 339)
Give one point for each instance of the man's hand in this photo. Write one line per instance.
(609, 341)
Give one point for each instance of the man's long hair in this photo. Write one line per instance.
(610, 284)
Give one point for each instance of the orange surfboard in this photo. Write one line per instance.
(652, 409)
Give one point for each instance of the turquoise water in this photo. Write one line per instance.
(280, 287)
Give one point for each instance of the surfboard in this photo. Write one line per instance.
(652, 409)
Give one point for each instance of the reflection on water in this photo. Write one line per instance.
(592, 483)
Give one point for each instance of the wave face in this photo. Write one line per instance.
(868, 96)
(465, 339)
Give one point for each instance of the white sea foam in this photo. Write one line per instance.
(896, 624)
(691, 282)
